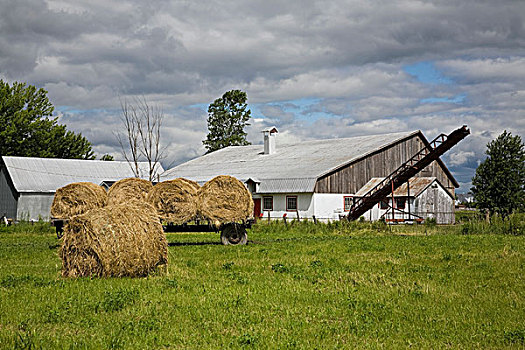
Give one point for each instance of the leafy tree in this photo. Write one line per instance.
(499, 183)
(107, 158)
(27, 129)
(227, 118)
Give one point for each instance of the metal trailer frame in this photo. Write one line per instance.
(232, 233)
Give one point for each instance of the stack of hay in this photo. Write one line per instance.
(117, 234)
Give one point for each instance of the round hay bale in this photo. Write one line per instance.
(77, 198)
(175, 200)
(224, 199)
(116, 241)
(128, 190)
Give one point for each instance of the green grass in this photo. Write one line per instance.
(301, 286)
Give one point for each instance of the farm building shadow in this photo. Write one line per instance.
(178, 244)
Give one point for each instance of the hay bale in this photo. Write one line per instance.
(77, 198)
(224, 199)
(116, 241)
(129, 190)
(175, 200)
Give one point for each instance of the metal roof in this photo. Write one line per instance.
(287, 185)
(49, 174)
(292, 168)
(417, 186)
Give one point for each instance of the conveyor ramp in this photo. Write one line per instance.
(408, 169)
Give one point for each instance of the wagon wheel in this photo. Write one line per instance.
(234, 234)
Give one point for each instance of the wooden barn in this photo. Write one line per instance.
(28, 185)
(315, 178)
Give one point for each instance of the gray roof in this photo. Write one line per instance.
(292, 168)
(49, 174)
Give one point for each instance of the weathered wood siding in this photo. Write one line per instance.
(8, 200)
(435, 203)
(351, 178)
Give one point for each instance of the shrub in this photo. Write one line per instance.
(39, 226)
(514, 224)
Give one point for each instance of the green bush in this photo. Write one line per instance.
(28, 227)
(514, 224)
(463, 216)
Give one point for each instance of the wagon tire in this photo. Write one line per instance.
(234, 234)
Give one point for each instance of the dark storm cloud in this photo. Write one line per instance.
(199, 47)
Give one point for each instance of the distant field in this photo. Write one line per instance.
(301, 286)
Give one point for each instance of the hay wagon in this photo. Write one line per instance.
(232, 233)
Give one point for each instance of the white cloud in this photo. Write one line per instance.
(460, 157)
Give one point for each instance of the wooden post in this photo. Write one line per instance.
(315, 220)
(393, 204)
(284, 220)
(268, 216)
(297, 212)
(408, 199)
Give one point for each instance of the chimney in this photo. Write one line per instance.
(269, 139)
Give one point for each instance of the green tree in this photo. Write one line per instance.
(107, 158)
(28, 128)
(227, 118)
(499, 183)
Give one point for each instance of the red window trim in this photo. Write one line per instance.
(344, 199)
(296, 203)
(263, 203)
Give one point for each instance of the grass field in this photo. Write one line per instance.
(301, 286)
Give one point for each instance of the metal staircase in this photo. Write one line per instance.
(411, 167)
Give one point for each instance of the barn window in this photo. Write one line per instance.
(291, 203)
(383, 204)
(400, 203)
(268, 203)
(347, 202)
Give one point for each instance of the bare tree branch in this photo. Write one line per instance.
(143, 125)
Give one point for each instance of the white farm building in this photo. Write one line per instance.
(27, 185)
(318, 178)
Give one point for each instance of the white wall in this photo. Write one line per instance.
(329, 206)
(325, 206)
(34, 206)
(304, 205)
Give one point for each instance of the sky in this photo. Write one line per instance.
(313, 69)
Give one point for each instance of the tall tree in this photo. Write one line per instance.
(227, 118)
(28, 128)
(499, 183)
(141, 141)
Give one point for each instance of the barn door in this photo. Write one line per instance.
(257, 207)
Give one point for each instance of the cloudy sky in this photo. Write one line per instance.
(315, 69)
